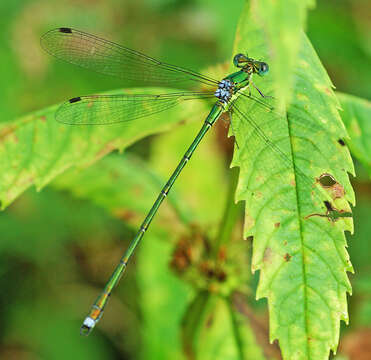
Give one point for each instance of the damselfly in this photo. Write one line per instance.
(108, 58)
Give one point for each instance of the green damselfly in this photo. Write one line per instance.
(108, 58)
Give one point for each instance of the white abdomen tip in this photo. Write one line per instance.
(89, 322)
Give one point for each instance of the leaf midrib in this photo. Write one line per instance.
(304, 277)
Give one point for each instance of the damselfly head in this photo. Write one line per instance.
(250, 65)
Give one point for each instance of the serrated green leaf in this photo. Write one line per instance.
(356, 116)
(300, 253)
(35, 149)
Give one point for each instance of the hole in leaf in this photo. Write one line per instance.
(328, 205)
(75, 99)
(341, 142)
(65, 30)
(327, 180)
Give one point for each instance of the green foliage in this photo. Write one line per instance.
(346, 54)
(208, 161)
(360, 303)
(103, 184)
(59, 245)
(164, 299)
(215, 330)
(356, 117)
(56, 330)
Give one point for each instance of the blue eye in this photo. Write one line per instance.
(263, 68)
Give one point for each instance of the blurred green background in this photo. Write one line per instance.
(57, 249)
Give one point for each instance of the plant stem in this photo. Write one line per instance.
(231, 213)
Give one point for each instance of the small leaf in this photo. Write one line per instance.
(356, 117)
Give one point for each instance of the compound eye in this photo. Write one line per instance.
(264, 68)
(239, 59)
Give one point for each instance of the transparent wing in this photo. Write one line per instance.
(120, 108)
(106, 57)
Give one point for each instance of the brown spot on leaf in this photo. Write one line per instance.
(210, 321)
(327, 181)
(182, 122)
(267, 257)
(277, 224)
(258, 194)
(43, 118)
(125, 214)
(287, 257)
(337, 191)
(249, 221)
